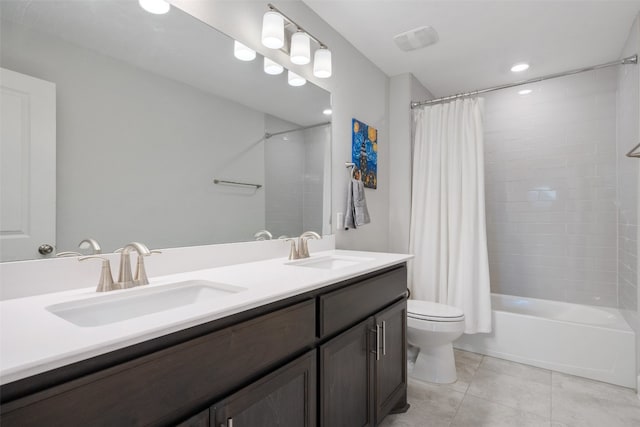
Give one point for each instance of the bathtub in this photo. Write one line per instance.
(591, 342)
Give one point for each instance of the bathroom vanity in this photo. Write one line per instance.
(329, 352)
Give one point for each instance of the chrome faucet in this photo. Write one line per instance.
(303, 248)
(93, 244)
(125, 277)
(263, 235)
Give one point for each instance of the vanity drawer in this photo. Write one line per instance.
(168, 385)
(347, 306)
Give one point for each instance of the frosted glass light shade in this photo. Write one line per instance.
(322, 63)
(157, 7)
(300, 48)
(242, 52)
(273, 30)
(295, 80)
(272, 67)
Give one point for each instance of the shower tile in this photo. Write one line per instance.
(476, 412)
(512, 390)
(581, 402)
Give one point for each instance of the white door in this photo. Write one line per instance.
(27, 166)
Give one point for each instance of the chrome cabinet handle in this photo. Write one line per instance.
(377, 341)
(229, 422)
(384, 338)
(377, 332)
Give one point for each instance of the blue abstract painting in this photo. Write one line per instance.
(364, 153)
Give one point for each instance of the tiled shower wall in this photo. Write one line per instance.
(550, 160)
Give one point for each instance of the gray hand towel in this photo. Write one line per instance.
(357, 213)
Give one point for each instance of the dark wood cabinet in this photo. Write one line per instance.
(346, 382)
(364, 370)
(284, 398)
(391, 366)
(334, 356)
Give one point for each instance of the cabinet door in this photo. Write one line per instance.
(391, 366)
(346, 382)
(284, 398)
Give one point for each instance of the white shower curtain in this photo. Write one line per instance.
(448, 228)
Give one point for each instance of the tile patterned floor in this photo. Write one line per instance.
(497, 393)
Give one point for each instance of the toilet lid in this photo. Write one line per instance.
(427, 310)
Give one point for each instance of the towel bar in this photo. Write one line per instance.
(246, 184)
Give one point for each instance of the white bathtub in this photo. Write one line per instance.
(591, 342)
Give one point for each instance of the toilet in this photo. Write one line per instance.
(432, 327)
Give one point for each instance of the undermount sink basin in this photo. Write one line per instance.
(331, 262)
(107, 309)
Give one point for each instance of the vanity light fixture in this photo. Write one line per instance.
(518, 68)
(157, 7)
(272, 67)
(322, 63)
(242, 52)
(295, 80)
(300, 48)
(525, 92)
(273, 30)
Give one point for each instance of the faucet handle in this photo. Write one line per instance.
(293, 253)
(141, 273)
(105, 283)
(67, 254)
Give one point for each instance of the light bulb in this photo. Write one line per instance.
(327, 111)
(273, 30)
(242, 52)
(157, 7)
(300, 48)
(272, 67)
(322, 63)
(295, 80)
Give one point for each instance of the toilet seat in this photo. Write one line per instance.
(433, 311)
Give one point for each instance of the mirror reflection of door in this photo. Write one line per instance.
(27, 165)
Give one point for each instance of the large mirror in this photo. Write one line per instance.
(159, 133)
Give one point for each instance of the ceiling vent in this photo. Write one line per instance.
(416, 38)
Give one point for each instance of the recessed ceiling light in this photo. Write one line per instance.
(157, 7)
(525, 92)
(520, 67)
(327, 112)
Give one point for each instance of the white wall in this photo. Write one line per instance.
(628, 129)
(145, 135)
(403, 89)
(550, 165)
(359, 90)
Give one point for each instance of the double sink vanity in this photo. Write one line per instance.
(316, 341)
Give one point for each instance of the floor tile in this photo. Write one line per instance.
(512, 391)
(476, 412)
(581, 402)
(431, 406)
(526, 372)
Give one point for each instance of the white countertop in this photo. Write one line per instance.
(34, 340)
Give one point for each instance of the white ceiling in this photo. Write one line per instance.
(480, 40)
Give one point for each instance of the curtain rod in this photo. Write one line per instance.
(629, 60)
(268, 135)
